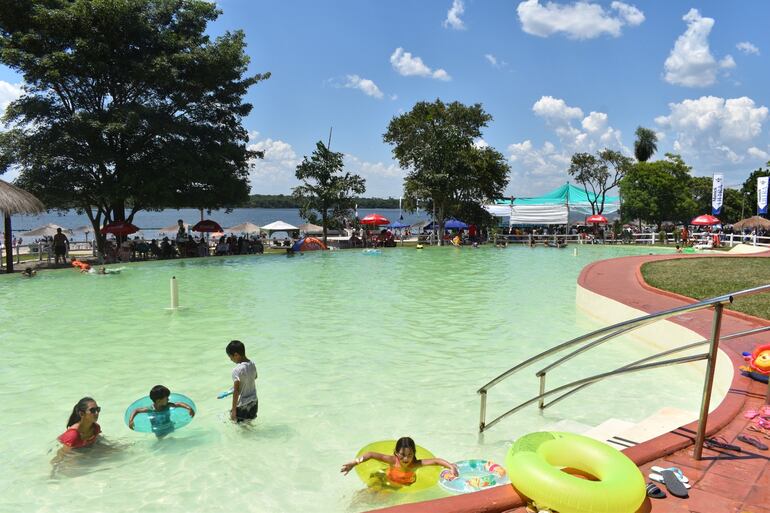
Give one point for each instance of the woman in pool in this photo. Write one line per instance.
(82, 428)
(402, 465)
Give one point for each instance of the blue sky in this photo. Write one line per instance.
(558, 78)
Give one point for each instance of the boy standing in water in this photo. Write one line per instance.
(245, 403)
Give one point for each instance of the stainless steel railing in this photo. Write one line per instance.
(600, 336)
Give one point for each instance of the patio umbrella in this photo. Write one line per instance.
(207, 225)
(247, 227)
(47, 230)
(752, 222)
(375, 220)
(310, 228)
(454, 224)
(596, 219)
(14, 200)
(119, 228)
(705, 220)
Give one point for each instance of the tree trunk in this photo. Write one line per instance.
(8, 244)
(323, 224)
(440, 221)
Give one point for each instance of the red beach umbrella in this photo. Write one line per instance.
(119, 228)
(207, 225)
(375, 220)
(705, 220)
(596, 219)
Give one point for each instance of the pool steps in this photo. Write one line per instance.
(622, 434)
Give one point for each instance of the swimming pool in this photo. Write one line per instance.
(350, 348)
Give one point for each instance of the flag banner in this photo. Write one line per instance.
(717, 194)
(762, 194)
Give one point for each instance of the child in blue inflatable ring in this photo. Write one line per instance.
(160, 413)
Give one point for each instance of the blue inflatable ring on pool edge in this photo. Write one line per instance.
(474, 475)
(160, 422)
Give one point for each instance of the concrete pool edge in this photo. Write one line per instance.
(602, 278)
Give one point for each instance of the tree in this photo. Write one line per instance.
(127, 105)
(700, 190)
(749, 192)
(599, 173)
(325, 190)
(658, 191)
(446, 171)
(645, 144)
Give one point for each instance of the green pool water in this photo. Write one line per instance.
(350, 349)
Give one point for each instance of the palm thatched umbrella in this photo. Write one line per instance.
(15, 201)
(751, 223)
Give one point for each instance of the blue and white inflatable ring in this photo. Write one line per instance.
(160, 422)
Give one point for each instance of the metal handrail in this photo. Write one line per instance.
(613, 331)
(598, 377)
(692, 345)
(632, 323)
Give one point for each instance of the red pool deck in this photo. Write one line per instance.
(723, 481)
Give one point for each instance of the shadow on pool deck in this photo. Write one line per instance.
(723, 481)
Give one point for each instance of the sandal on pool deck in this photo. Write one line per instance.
(675, 470)
(721, 443)
(654, 492)
(658, 478)
(765, 433)
(752, 441)
(674, 486)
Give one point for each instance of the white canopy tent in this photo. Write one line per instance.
(279, 226)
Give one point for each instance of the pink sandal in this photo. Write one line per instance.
(750, 414)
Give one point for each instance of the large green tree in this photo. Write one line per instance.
(326, 192)
(434, 142)
(598, 174)
(700, 189)
(646, 144)
(749, 191)
(128, 105)
(658, 191)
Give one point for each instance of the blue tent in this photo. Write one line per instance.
(397, 225)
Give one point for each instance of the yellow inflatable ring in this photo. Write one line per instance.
(372, 472)
(534, 465)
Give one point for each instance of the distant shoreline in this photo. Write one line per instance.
(288, 201)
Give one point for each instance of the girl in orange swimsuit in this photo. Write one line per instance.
(402, 465)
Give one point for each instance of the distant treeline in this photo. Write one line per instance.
(287, 201)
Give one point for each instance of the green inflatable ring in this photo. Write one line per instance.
(372, 471)
(534, 465)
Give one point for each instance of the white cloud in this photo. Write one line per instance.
(382, 179)
(727, 62)
(480, 143)
(711, 131)
(8, 93)
(747, 48)
(535, 170)
(364, 84)
(555, 109)
(407, 65)
(758, 154)
(580, 20)
(453, 16)
(275, 173)
(690, 62)
(494, 61)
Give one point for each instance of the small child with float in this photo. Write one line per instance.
(402, 464)
(160, 412)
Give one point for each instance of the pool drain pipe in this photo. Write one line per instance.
(174, 294)
(574, 251)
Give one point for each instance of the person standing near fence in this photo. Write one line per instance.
(60, 246)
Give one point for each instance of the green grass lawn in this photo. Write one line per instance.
(702, 278)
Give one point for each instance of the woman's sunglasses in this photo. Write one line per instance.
(95, 409)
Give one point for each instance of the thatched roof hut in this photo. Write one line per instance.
(751, 223)
(14, 200)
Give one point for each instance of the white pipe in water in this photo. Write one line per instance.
(174, 294)
(574, 251)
